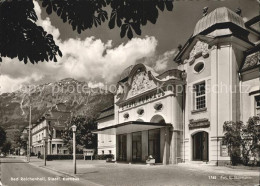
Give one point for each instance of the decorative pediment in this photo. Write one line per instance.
(143, 79)
(140, 83)
(200, 49)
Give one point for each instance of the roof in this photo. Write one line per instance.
(126, 73)
(251, 61)
(109, 111)
(129, 127)
(217, 16)
(58, 115)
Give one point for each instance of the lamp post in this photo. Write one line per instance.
(44, 140)
(74, 128)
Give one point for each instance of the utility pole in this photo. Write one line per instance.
(29, 138)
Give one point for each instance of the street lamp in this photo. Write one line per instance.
(44, 140)
(74, 128)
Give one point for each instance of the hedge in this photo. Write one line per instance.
(103, 156)
(50, 157)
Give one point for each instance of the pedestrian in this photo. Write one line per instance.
(39, 154)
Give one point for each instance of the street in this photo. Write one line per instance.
(17, 172)
(14, 171)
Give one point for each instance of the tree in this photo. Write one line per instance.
(233, 139)
(20, 140)
(21, 37)
(2, 136)
(6, 147)
(251, 139)
(243, 141)
(84, 137)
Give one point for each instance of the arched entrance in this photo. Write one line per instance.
(200, 146)
(154, 144)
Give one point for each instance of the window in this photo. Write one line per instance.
(199, 67)
(126, 115)
(257, 105)
(200, 96)
(103, 152)
(158, 106)
(110, 151)
(140, 112)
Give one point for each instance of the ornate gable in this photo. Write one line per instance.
(140, 83)
(200, 49)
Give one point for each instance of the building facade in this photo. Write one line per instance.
(106, 142)
(51, 126)
(178, 115)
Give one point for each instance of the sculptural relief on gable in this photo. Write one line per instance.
(140, 83)
(200, 49)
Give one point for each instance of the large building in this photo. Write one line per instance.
(178, 115)
(53, 123)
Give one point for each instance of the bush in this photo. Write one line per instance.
(103, 156)
(50, 157)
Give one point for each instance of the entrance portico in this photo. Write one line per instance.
(136, 140)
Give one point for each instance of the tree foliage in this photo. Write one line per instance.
(233, 139)
(2, 136)
(251, 140)
(84, 137)
(6, 147)
(243, 141)
(20, 140)
(21, 37)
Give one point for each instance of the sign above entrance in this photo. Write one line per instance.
(200, 123)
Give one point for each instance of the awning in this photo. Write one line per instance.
(129, 127)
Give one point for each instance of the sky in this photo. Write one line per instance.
(98, 56)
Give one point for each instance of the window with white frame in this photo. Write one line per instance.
(200, 96)
(257, 105)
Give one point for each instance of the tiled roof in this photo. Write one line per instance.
(251, 61)
(107, 112)
(57, 115)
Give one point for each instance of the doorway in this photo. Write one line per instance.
(200, 146)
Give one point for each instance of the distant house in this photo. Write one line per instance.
(54, 121)
(106, 142)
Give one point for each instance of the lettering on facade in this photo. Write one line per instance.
(200, 123)
(142, 100)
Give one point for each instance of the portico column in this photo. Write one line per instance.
(166, 145)
(174, 147)
(56, 148)
(117, 148)
(129, 147)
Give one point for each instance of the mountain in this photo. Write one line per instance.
(76, 95)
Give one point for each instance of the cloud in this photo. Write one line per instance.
(88, 59)
(162, 62)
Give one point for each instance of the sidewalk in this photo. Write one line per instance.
(64, 167)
